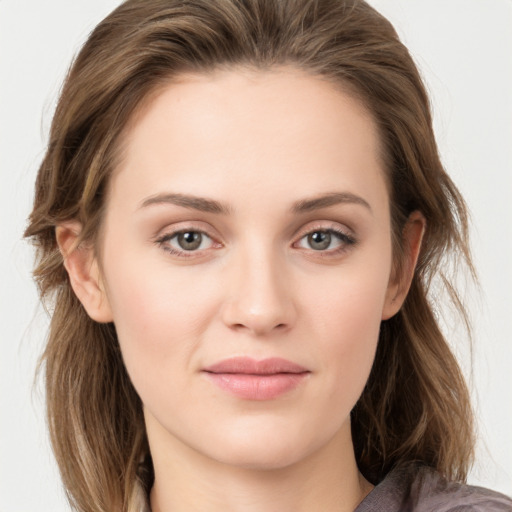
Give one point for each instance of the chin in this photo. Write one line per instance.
(265, 449)
(257, 459)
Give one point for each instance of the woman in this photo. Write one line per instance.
(239, 217)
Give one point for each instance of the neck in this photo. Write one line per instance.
(326, 480)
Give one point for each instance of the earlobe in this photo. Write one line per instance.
(412, 236)
(84, 272)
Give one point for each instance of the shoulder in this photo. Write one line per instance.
(421, 489)
(429, 491)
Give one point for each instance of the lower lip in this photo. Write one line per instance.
(257, 387)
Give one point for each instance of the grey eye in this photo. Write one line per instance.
(186, 242)
(319, 240)
(189, 240)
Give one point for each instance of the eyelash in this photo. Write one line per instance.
(344, 238)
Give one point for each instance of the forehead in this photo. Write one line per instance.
(200, 130)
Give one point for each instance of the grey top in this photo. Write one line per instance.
(421, 489)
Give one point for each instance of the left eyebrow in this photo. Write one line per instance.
(202, 204)
(326, 200)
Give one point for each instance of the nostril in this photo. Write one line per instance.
(241, 326)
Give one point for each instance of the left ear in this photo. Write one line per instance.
(84, 272)
(400, 280)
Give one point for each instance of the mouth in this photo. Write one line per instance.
(249, 379)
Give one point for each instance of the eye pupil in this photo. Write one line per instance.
(319, 240)
(190, 240)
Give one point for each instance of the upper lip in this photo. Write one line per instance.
(251, 366)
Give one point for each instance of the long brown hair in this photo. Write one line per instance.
(415, 406)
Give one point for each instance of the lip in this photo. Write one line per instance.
(250, 379)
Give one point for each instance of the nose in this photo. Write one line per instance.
(259, 298)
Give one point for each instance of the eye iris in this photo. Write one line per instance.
(319, 240)
(189, 240)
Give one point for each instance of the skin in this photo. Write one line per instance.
(258, 142)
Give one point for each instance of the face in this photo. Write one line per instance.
(246, 262)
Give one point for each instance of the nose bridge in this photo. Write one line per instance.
(259, 295)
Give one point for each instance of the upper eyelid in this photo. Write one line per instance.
(304, 230)
(174, 229)
(325, 226)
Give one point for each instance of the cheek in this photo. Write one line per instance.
(347, 318)
(159, 313)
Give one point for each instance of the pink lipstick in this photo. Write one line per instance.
(256, 380)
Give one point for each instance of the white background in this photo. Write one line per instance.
(463, 48)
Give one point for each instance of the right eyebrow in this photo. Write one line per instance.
(329, 199)
(202, 204)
